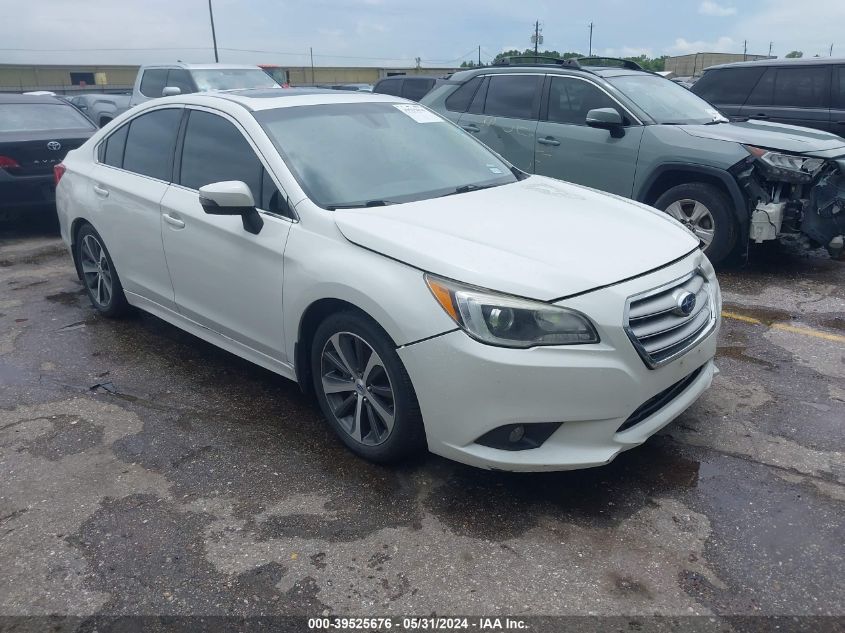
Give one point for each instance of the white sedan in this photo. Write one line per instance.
(428, 292)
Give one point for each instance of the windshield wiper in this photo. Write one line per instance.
(360, 205)
(468, 188)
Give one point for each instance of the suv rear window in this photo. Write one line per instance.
(32, 117)
(415, 89)
(727, 86)
(512, 96)
(389, 87)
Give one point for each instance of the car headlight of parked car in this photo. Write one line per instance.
(787, 167)
(510, 321)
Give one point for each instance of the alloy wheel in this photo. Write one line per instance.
(96, 271)
(696, 217)
(357, 388)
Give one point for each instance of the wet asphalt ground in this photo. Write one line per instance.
(143, 471)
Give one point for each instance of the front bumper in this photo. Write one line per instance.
(466, 388)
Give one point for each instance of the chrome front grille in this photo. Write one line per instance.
(663, 323)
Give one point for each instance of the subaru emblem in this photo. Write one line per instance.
(685, 303)
(54, 146)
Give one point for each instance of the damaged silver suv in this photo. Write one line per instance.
(627, 131)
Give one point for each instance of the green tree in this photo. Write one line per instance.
(794, 54)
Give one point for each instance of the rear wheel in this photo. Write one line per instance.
(363, 389)
(705, 211)
(98, 273)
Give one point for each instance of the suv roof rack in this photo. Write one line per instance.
(623, 63)
(537, 60)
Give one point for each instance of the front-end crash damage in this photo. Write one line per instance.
(795, 198)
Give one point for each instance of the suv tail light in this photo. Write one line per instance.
(58, 172)
(6, 162)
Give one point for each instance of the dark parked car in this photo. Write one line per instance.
(408, 87)
(36, 132)
(808, 92)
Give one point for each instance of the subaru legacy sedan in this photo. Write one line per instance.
(426, 291)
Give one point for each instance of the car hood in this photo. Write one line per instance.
(538, 238)
(787, 138)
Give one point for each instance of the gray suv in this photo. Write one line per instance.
(630, 132)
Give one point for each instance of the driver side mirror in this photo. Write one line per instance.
(232, 197)
(171, 91)
(607, 119)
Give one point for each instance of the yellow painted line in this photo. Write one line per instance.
(806, 331)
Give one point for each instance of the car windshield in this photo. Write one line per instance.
(34, 117)
(232, 79)
(369, 154)
(665, 101)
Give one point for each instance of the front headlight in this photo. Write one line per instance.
(510, 321)
(788, 167)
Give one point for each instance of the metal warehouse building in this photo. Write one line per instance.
(83, 78)
(694, 64)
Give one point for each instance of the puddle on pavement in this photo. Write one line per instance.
(765, 315)
(69, 297)
(738, 352)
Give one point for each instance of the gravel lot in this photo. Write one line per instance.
(145, 472)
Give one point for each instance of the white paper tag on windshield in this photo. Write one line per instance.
(418, 113)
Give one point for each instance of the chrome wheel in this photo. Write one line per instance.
(96, 271)
(696, 217)
(357, 388)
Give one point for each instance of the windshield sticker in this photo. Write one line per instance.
(418, 113)
(494, 169)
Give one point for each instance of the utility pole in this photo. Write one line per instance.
(770, 48)
(744, 50)
(830, 53)
(479, 54)
(590, 54)
(311, 51)
(537, 38)
(213, 34)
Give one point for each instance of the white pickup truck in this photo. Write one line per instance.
(164, 80)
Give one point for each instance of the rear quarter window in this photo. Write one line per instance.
(727, 86)
(389, 87)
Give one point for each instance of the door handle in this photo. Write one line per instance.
(759, 115)
(549, 140)
(101, 191)
(471, 128)
(175, 222)
(840, 123)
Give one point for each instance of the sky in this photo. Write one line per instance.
(396, 32)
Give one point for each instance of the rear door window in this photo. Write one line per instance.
(389, 87)
(806, 87)
(214, 151)
(763, 93)
(416, 89)
(150, 143)
(153, 82)
(727, 86)
(839, 90)
(513, 96)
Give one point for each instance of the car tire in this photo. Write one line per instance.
(98, 274)
(358, 397)
(686, 202)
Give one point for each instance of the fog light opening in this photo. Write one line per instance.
(519, 437)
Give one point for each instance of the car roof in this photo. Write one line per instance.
(800, 61)
(8, 97)
(584, 71)
(268, 99)
(188, 66)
